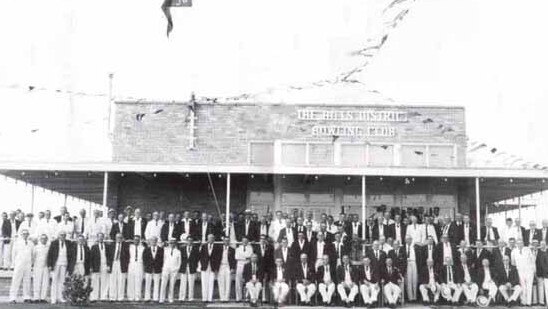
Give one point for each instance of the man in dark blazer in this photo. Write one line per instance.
(488, 231)
(119, 226)
(187, 225)
(466, 231)
(287, 233)
(370, 230)
(283, 252)
(480, 254)
(532, 234)
(445, 248)
(399, 229)
(223, 261)
(305, 279)
(247, 228)
(498, 253)
(391, 278)
(253, 277)
(429, 252)
(100, 252)
(376, 255)
(208, 269)
(300, 246)
(486, 278)
(341, 249)
(153, 262)
(320, 248)
(170, 229)
(279, 282)
(355, 227)
(429, 283)
(309, 234)
(448, 228)
(265, 254)
(368, 278)
(190, 255)
(325, 277)
(466, 278)
(137, 225)
(399, 257)
(508, 281)
(327, 236)
(347, 279)
(263, 227)
(203, 228)
(82, 257)
(60, 259)
(118, 261)
(63, 211)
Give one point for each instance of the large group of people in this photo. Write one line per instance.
(279, 257)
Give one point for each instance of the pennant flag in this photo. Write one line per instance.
(166, 8)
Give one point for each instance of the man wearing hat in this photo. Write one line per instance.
(170, 269)
(190, 254)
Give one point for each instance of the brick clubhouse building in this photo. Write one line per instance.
(218, 155)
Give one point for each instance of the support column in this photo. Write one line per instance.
(105, 190)
(519, 207)
(227, 209)
(32, 199)
(277, 183)
(364, 202)
(478, 211)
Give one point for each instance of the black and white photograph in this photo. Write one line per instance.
(273, 154)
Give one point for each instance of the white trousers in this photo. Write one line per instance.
(187, 281)
(347, 292)
(326, 291)
(306, 291)
(149, 280)
(41, 282)
(254, 290)
(434, 288)
(239, 280)
(470, 291)
(505, 292)
(526, 278)
(4, 251)
(135, 281)
(391, 292)
(279, 291)
(7, 252)
(369, 293)
(455, 293)
(411, 280)
(491, 287)
(57, 279)
(223, 280)
(21, 275)
(538, 292)
(168, 276)
(100, 283)
(207, 278)
(79, 269)
(117, 282)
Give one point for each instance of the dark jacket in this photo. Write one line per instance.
(374, 261)
(124, 256)
(341, 274)
(153, 265)
(373, 274)
(321, 271)
(460, 232)
(124, 230)
(259, 272)
(424, 275)
(399, 258)
(445, 273)
(252, 230)
(391, 277)
(328, 249)
(267, 257)
(6, 229)
(296, 250)
(542, 264)
(87, 257)
(536, 235)
(53, 254)
(95, 256)
(480, 275)
(165, 231)
(299, 274)
(218, 254)
(190, 260)
(483, 232)
(131, 227)
(503, 278)
(477, 260)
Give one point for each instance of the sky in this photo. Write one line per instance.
(485, 55)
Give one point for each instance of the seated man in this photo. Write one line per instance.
(429, 282)
(486, 280)
(347, 278)
(450, 282)
(392, 279)
(279, 280)
(468, 286)
(369, 282)
(304, 276)
(508, 280)
(325, 276)
(253, 276)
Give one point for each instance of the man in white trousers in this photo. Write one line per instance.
(369, 282)
(253, 276)
(279, 281)
(542, 267)
(60, 254)
(411, 275)
(40, 270)
(227, 264)
(305, 277)
(11, 231)
(243, 255)
(153, 260)
(208, 267)
(189, 264)
(118, 264)
(348, 281)
(468, 286)
(22, 266)
(135, 270)
(508, 281)
(326, 276)
(170, 270)
(99, 269)
(525, 264)
(81, 264)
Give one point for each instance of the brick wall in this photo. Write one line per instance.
(224, 131)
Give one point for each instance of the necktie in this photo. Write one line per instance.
(82, 225)
(62, 244)
(81, 253)
(26, 242)
(377, 254)
(449, 274)
(188, 251)
(136, 253)
(244, 248)
(254, 269)
(171, 251)
(408, 250)
(304, 270)
(102, 247)
(117, 251)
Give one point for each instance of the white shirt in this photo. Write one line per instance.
(48, 227)
(487, 272)
(185, 222)
(467, 277)
(172, 259)
(326, 274)
(204, 231)
(431, 278)
(319, 249)
(67, 227)
(224, 258)
(467, 233)
(410, 253)
(416, 231)
(22, 253)
(524, 260)
(243, 255)
(430, 230)
(28, 225)
(447, 252)
(95, 226)
(275, 227)
(41, 255)
(397, 228)
(279, 274)
(136, 257)
(284, 254)
(62, 256)
(153, 229)
(170, 229)
(356, 228)
(107, 225)
(367, 271)
(103, 253)
(137, 226)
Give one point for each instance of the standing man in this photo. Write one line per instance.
(40, 270)
(205, 228)
(137, 225)
(399, 229)
(153, 259)
(170, 229)
(118, 261)
(135, 270)
(532, 234)
(489, 232)
(253, 276)
(170, 269)
(347, 279)
(95, 227)
(81, 224)
(224, 264)
(243, 255)
(82, 257)
(119, 226)
(66, 225)
(190, 255)
(467, 231)
(60, 255)
(22, 261)
(186, 225)
(542, 269)
(412, 252)
(416, 231)
(208, 269)
(99, 269)
(154, 227)
(10, 230)
(525, 264)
